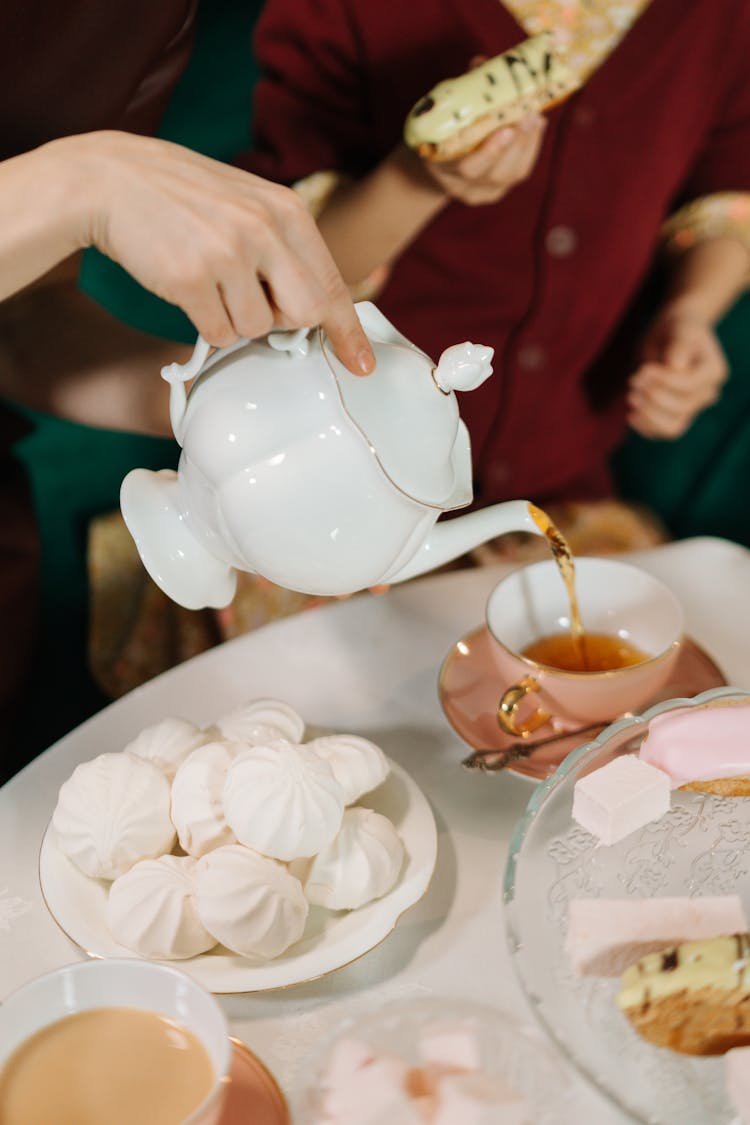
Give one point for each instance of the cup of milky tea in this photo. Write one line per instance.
(112, 1042)
(630, 626)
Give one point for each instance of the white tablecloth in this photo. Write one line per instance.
(370, 666)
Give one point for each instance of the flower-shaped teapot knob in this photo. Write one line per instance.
(463, 367)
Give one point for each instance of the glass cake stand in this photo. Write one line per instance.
(700, 847)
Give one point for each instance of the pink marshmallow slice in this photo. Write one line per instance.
(605, 935)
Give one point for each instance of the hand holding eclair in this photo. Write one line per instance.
(504, 159)
(479, 134)
(459, 114)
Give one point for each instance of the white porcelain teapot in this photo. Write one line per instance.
(322, 481)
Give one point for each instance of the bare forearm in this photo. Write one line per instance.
(43, 214)
(708, 278)
(368, 224)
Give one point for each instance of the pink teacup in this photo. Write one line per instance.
(616, 599)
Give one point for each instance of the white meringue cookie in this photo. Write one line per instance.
(260, 721)
(111, 812)
(361, 864)
(358, 764)
(197, 799)
(249, 902)
(167, 744)
(283, 800)
(151, 910)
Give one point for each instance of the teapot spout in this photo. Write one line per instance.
(455, 537)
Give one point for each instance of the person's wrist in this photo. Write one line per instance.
(69, 166)
(412, 168)
(688, 306)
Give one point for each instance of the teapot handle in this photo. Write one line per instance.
(177, 375)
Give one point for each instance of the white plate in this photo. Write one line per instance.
(331, 939)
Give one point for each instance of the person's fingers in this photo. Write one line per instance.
(658, 426)
(202, 301)
(507, 155)
(235, 252)
(525, 153)
(248, 304)
(480, 162)
(658, 420)
(666, 411)
(681, 352)
(348, 338)
(647, 375)
(668, 399)
(307, 289)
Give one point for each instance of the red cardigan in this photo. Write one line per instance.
(546, 274)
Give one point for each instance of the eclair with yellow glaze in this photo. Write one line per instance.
(459, 113)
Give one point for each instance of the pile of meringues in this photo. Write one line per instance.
(226, 834)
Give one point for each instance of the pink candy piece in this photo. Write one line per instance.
(700, 743)
(606, 935)
(450, 1044)
(619, 798)
(367, 1094)
(347, 1057)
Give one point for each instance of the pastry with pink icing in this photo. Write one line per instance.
(605, 935)
(617, 799)
(701, 748)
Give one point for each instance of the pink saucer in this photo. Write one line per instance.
(469, 693)
(253, 1095)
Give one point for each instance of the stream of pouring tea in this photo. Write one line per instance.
(563, 556)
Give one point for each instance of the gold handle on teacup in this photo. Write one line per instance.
(509, 704)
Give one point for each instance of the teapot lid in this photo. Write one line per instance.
(408, 412)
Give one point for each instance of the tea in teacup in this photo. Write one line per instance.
(633, 625)
(113, 1042)
(584, 652)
